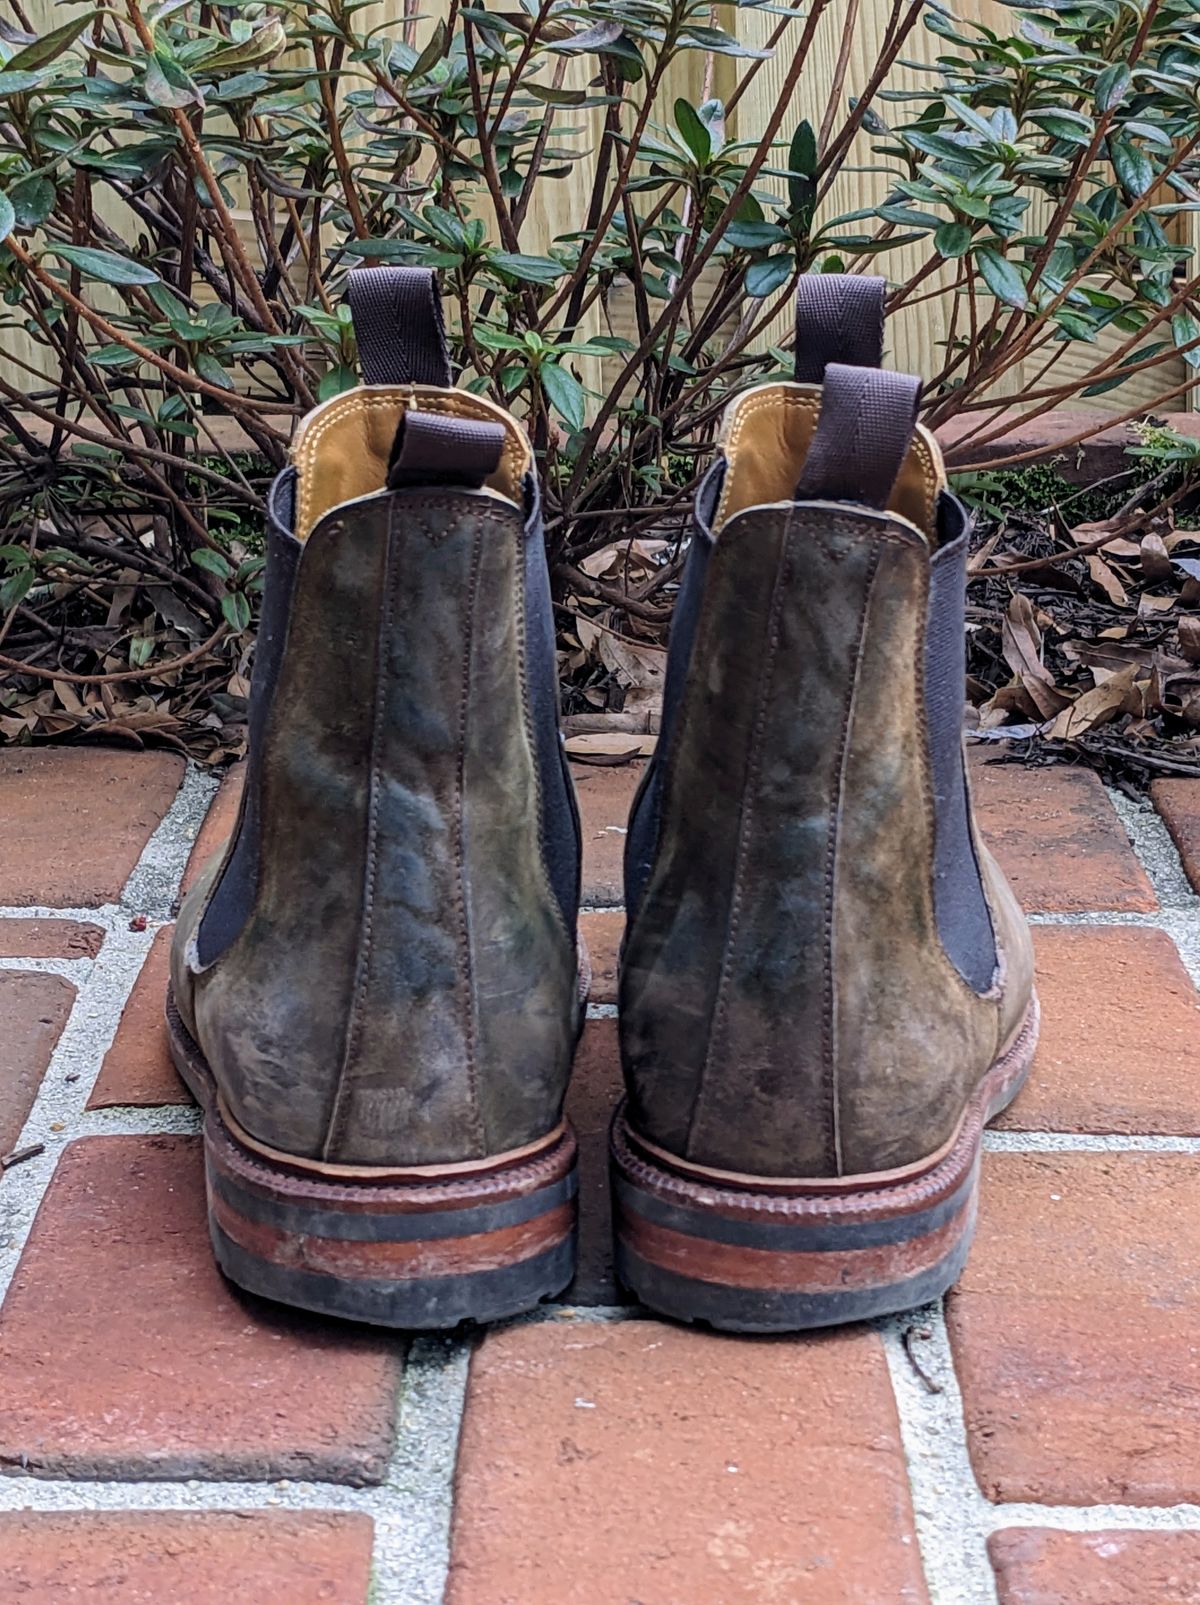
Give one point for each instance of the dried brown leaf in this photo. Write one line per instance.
(1156, 560)
(1189, 638)
(1108, 582)
(1097, 706)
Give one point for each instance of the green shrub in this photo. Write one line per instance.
(185, 187)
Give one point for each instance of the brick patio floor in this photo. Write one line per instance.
(167, 1441)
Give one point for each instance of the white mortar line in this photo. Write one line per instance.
(66, 1086)
(953, 1518)
(1083, 1142)
(140, 1120)
(58, 1110)
(1155, 851)
(415, 1504)
(1097, 1518)
(1103, 917)
(154, 884)
(74, 970)
(950, 1514)
(105, 916)
(411, 1509)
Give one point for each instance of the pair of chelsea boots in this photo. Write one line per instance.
(826, 985)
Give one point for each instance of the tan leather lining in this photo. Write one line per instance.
(342, 447)
(766, 436)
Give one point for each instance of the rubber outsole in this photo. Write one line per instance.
(753, 1259)
(416, 1250)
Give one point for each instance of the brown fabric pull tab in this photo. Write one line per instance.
(399, 326)
(839, 318)
(866, 426)
(433, 449)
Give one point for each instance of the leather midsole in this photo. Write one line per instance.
(864, 1181)
(200, 1081)
(317, 1167)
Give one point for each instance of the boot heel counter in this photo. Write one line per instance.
(369, 1010)
(760, 1050)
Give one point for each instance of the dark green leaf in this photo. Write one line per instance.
(16, 588)
(210, 370)
(17, 83)
(166, 83)
(433, 52)
(32, 201)
(213, 563)
(1132, 166)
(720, 43)
(753, 236)
(764, 277)
(529, 269)
(105, 265)
(50, 46)
(695, 135)
(1185, 329)
(236, 611)
(952, 239)
(336, 380)
(1001, 277)
(1112, 86)
(564, 393)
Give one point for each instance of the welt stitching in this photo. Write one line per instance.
(466, 966)
(371, 868)
(717, 1023)
(829, 1044)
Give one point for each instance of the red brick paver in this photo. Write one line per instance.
(76, 820)
(153, 1558)
(1075, 1329)
(137, 1069)
(1120, 1042)
(33, 1011)
(604, 1464)
(1039, 1567)
(124, 1354)
(218, 825)
(49, 939)
(1053, 830)
(602, 933)
(1058, 838)
(605, 792)
(595, 1088)
(1178, 801)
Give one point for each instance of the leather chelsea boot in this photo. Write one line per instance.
(375, 993)
(826, 988)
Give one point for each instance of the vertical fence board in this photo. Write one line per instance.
(918, 333)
